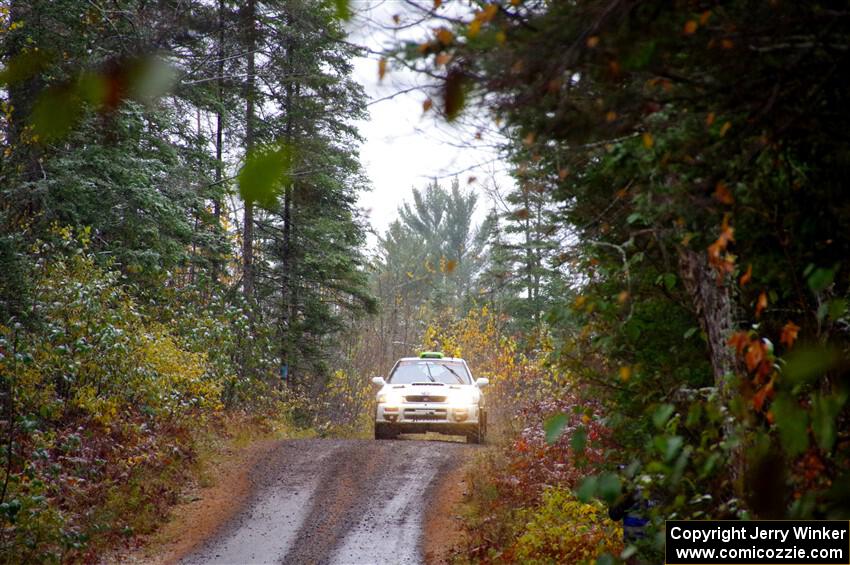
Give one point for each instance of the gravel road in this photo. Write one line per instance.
(328, 501)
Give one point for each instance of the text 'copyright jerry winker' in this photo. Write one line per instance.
(762, 542)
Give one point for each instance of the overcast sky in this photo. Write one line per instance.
(405, 147)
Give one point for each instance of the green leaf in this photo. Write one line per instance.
(150, 78)
(694, 414)
(632, 330)
(804, 364)
(825, 410)
(662, 414)
(792, 421)
(587, 490)
(820, 279)
(634, 217)
(669, 281)
(265, 171)
(55, 112)
(690, 331)
(837, 308)
(608, 487)
(672, 447)
(553, 426)
(579, 440)
(709, 465)
(641, 57)
(342, 9)
(24, 66)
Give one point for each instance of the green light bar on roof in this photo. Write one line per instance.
(430, 355)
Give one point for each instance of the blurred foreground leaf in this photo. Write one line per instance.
(792, 421)
(804, 364)
(23, 66)
(579, 441)
(454, 96)
(265, 171)
(554, 427)
(342, 9)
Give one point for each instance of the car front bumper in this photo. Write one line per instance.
(427, 416)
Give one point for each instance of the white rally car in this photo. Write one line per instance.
(431, 393)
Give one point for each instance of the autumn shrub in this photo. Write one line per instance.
(345, 404)
(106, 395)
(564, 530)
(523, 507)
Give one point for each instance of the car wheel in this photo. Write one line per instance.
(382, 431)
(474, 434)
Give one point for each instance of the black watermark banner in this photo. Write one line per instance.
(761, 542)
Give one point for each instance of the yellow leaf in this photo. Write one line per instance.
(474, 28)
(445, 36)
(648, 141)
(725, 128)
(489, 12)
(426, 105)
(690, 27)
(704, 17)
(442, 59)
(610, 116)
(501, 37)
(382, 68)
(709, 119)
(625, 373)
(593, 41)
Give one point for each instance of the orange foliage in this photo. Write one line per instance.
(789, 334)
(761, 304)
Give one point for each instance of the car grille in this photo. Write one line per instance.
(423, 415)
(423, 398)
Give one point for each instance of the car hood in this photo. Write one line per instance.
(430, 389)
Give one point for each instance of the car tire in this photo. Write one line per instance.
(383, 432)
(474, 434)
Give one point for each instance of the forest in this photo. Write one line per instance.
(659, 297)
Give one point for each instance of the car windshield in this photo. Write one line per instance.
(430, 370)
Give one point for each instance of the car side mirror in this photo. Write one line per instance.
(379, 381)
(481, 382)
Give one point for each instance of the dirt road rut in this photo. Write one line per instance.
(351, 502)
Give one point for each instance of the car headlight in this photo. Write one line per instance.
(464, 397)
(391, 397)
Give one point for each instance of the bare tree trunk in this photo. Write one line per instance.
(219, 135)
(713, 307)
(287, 293)
(248, 230)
